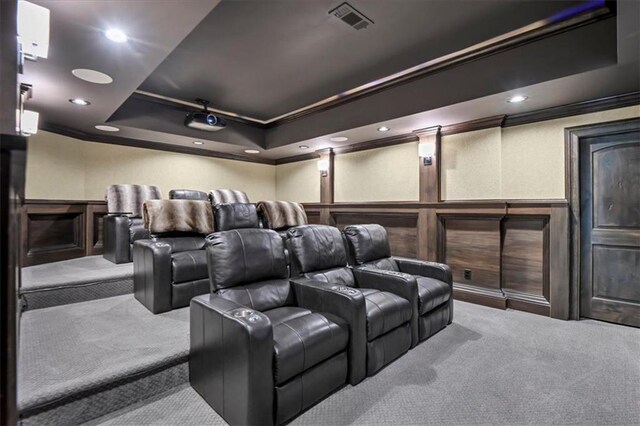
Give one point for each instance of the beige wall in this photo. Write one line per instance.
(470, 164)
(382, 174)
(522, 162)
(298, 182)
(59, 167)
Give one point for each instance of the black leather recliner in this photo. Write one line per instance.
(379, 311)
(235, 216)
(258, 354)
(122, 226)
(187, 194)
(433, 300)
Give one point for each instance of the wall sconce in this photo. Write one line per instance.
(29, 122)
(33, 30)
(323, 166)
(426, 150)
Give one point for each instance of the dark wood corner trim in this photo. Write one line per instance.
(578, 108)
(469, 126)
(297, 158)
(140, 143)
(428, 131)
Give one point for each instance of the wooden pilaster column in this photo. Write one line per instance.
(326, 183)
(429, 193)
(326, 178)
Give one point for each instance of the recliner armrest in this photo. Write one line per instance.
(439, 271)
(152, 274)
(346, 303)
(398, 283)
(231, 359)
(115, 239)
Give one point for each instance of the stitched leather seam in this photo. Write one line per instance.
(381, 311)
(304, 350)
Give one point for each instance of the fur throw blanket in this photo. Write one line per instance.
(129, 198)
(282, 214)
(162, 216)
(227, 196)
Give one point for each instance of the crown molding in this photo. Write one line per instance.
(469, 126)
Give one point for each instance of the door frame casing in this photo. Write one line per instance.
(574, 138)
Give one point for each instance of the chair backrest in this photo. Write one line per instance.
(248, 266)
(129, 198)
(187, 194)
(227, 196)
(235, 216)
(318, 252)
(282, 214)
(369, 245)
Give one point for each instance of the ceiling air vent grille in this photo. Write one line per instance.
(351, 16)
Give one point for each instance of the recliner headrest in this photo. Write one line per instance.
(227, 196)
(367, 242)
(282, 214)
(316, 247)
(235, 216)
(177, 216)
(187, 194)
(245, 256)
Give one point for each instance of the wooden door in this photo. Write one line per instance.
(610, 228)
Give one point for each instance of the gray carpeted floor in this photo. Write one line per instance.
(74, 281)
(69, 349)
(74, 271)
(488, 367)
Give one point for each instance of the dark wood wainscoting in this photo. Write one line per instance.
(60, 230)
(502, 254)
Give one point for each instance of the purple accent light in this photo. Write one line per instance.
(576, 10)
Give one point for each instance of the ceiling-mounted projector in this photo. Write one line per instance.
(204, 120)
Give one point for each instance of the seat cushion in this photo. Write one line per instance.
(302, 339)
(189, 266)
(431, 293)
(385, 311)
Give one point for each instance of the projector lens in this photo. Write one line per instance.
(211, 119)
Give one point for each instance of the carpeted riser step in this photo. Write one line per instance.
(65, 295)
(100, 401)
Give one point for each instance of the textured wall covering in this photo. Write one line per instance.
(59, 167)
(470, 166)
(299, 182)
(533, 154)
(382, 174)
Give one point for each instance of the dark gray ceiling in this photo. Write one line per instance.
(264, 58)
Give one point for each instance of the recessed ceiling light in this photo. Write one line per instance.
(338, 139)
(79, 101)
(92, 76)
(383, 129)
(252, 151)
(517, 98)
(198, 143)
(116, 35)
(303, 146)
(106, 128)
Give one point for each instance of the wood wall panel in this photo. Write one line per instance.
(401, 228)
(94, 230)
(525, 263)
(52, 232)
(474, 244)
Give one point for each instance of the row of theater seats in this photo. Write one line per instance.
(124, 225)
(269, 341)
(282, 318)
